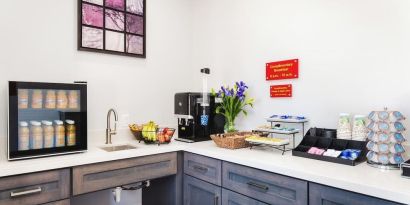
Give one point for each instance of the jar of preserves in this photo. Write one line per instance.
(22, 99)
(72, 99)
(50, 99)
(71, 135)
(48, 133)
(24, 136)
(36, 138)
(37, 99)
(62, 100)
(59, 133)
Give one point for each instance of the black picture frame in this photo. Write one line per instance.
(80, 26)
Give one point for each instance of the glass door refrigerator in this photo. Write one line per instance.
(46, 119)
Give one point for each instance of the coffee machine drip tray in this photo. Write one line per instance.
(184, 140)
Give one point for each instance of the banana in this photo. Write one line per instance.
(148, 131)
(135, 127)
(153, 131)
(151, 137)
(144, 131)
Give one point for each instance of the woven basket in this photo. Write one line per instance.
(231, 140)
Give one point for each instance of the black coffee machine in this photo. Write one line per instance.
(196, 120)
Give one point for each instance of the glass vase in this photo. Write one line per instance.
(230, 125)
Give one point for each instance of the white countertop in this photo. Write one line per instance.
(361, 178)
(93, 155)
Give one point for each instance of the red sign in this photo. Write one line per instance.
(280, 91)
(282, 70)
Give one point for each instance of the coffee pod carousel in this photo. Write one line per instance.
(385, 139)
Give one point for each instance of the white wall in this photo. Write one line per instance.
(38, 43)
(353, 53)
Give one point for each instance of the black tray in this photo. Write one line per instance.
(405, 167)
(322, 132)
(330, 143)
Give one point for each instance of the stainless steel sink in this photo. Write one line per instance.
(114, 148)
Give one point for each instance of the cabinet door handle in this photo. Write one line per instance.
(216, 200)
(201, 169)
(26, 192)
(259, 186)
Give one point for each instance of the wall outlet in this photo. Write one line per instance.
(124, 120)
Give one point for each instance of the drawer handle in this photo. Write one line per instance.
(259, 186)
(24, 193)
(201, 169)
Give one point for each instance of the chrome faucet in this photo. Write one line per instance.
(108, 131)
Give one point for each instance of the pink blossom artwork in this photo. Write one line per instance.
(112, 26)
(135, 24)
(115, 4)
(92, 38)
(114, 41)
(99, 2)
(135, 6)
(135, 44)
(92, 15)
(114, 20)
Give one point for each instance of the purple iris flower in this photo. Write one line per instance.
(219, 94)
(231, 92)
(223, 90)
(226, 91)
(238, 91)
(241, 85)
(241, 88)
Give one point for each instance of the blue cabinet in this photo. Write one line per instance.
(198, 192)
(204, 168)
(324, 195)
(232, 198)
(209, 181)
(265, 186)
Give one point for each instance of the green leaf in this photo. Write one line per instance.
(213, 92)
(218, 110)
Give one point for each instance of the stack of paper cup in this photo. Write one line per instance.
(359, 132)
(344, 129)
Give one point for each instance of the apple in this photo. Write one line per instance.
(165, 130)
(170, 132)
(161, 138)
(168, 138)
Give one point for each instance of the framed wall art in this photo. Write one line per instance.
(112, 26)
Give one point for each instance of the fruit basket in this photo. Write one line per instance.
(159, 136)
(137, 132)
(152, 134)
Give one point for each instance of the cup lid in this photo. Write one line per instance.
(35, 123)
(71, 122)
(23, 124)
(58, 122)
(48, 123)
